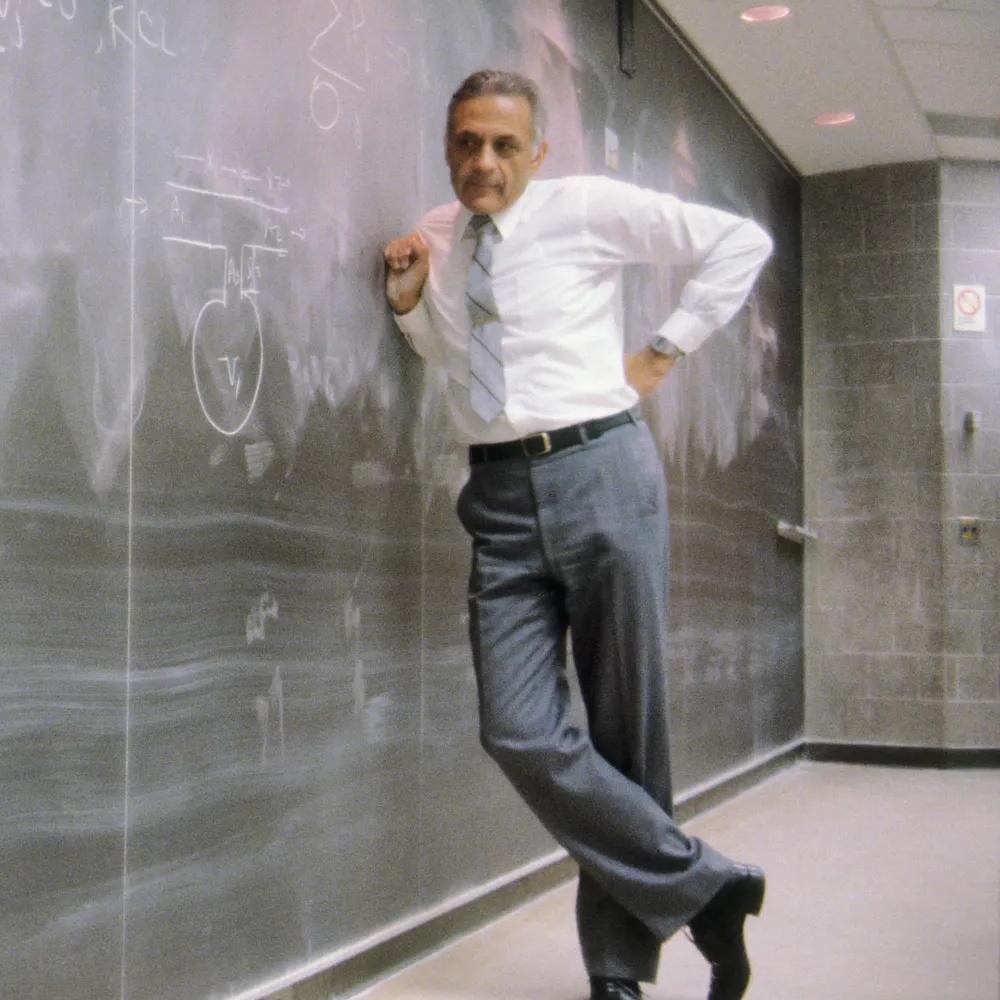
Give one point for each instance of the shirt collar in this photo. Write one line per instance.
(505, 221)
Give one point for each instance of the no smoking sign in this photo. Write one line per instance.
(969, 308)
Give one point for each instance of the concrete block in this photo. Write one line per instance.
(970, 183)
(888, 229)
(914, 183)
(972, 724)
(894, 676)
(973, 678)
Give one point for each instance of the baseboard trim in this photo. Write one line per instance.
(725, 786)
(893, 755)
(358, 967)
(352, 971)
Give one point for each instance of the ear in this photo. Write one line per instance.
(539, 158)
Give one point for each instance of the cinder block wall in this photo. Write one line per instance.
(970, 383)
(874, 580)
(902, 618)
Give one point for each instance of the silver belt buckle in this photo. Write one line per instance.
(546, 445)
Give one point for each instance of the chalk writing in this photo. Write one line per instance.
(128, 25)
(352, 631)
(227, 332)
(332, 375)
(258, 456)
(235, 370)
(272, 703)
(227, 343)
(11, 28)
(250, 270)
(399, 58)
(353, 29)
(144, 27)
(265, 610)
(129, 205)
(326, 105)
(229, 196)
(217, 321)
(342, 54)
(12, 25)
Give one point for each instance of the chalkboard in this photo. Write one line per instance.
(239, 725)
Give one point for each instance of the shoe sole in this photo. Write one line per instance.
(755, 902)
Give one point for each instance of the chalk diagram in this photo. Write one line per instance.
(335, 95)
(227, 343)
(325, 102)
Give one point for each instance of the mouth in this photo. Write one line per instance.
(483, 184)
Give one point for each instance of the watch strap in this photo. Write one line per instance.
(666, 347)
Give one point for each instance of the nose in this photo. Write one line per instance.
(485, 159)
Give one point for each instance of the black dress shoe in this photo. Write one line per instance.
(717, 931)
(603, 988)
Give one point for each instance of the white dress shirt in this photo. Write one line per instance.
(557, 276)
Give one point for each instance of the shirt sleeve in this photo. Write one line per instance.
(725, 251)
(417, 327)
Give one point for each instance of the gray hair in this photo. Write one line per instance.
(504, 84)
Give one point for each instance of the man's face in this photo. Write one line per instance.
(489, 154)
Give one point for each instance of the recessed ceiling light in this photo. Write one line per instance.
(837, 118)
(769, 12)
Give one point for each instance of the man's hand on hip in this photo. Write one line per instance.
(645, 369)
(408, 262)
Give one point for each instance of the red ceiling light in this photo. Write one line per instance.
(836, 118)
(769, 12)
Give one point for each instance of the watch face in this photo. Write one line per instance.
(666, 347)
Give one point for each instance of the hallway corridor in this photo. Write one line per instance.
(883, 884)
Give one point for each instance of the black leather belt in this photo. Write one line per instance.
(548, 442)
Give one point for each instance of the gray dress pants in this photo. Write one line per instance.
(577, 542)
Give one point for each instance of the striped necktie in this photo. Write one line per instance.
(486, 383)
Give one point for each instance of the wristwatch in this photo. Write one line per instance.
(666, 347)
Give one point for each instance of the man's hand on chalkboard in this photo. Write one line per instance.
(408, 264)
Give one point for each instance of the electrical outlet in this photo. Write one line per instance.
(968, 530)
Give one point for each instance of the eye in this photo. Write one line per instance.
(506, 147)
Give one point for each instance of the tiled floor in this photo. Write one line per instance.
(883, 884)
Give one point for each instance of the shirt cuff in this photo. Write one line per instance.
(415, 325)
(685, 330)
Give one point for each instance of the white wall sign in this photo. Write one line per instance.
(969, 308)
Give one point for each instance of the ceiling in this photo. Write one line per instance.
(921, 76)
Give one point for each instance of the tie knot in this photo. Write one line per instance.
(481, 225)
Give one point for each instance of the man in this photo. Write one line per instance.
(515, 290)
